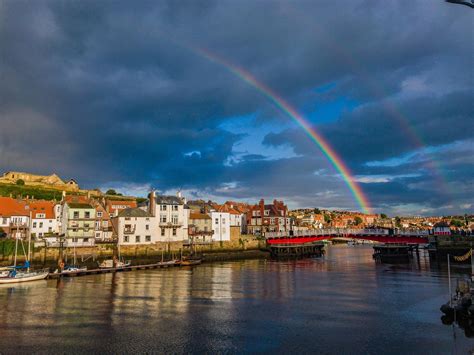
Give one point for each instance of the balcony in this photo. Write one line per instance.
(16, 225)
(170, 225)
(129, 230)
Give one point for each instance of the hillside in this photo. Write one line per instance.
(40, 193)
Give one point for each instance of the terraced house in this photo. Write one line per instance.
(78, 221)
(173, 216)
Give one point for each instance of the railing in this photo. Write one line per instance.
(343, 232)
(129, 230)
(171, 224)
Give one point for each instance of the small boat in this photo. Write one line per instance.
(17, 277)
(72, 269)
(109, 264)
(168, 263)
(190, 262)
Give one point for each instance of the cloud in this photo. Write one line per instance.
(113, 92)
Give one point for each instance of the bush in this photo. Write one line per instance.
(20, 182)
(383, 215)
(111, 192)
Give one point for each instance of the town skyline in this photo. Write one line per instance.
(314, 107)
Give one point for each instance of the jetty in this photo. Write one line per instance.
(159, 265)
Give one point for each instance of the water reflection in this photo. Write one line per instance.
(344, 302)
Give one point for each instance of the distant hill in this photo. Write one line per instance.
(37, 192)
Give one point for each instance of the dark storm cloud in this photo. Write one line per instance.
(112, 91)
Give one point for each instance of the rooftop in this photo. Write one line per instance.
(133, 212)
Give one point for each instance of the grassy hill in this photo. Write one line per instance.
(36, 192)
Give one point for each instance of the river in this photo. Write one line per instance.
(342, 303)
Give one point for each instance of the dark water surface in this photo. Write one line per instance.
(343, 303)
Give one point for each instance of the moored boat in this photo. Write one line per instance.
(109, 264)
(17, 277)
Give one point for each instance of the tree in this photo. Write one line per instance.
(456, 223)
(327, 218)
(383, 215)
(111, 192)
(317, 211)
(357, 220)
(398, 222)
(20, 182)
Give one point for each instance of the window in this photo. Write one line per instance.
(125, 239)
(163, 207)
(137, 239)
(217, 220)
(174, 219)
(5, 221)
(99, 214)
(85, 240)
(97, 225)
(41, 225)
(223, 220)
(175, 208)
(87, 214)
(40, 215)
(40, 234)
(148, 238)
(97, 235)
(50, 229)
(105, 224)
(162, 232)
(34, 224)
(162, 219)
(76, 214)
(127, 218)
(174, 231)
(50, 221)
(147, 227)
(74, 229)
(147, 219)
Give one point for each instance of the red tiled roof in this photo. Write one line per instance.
(13, 207)
(199, 216)
(113, 205)
(46, 207)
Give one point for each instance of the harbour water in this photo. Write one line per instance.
(342, 303)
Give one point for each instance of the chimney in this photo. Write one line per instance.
(152, 205)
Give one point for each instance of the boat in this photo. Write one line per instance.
(461, 303)
(17, 277)
(73, 269)
(190, 262)
(168, 263)
(22, 273)
(109, 264)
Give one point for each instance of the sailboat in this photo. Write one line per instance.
(74, 267)
(115, 262)
(16, 274)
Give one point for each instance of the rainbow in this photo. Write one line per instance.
(284, 106)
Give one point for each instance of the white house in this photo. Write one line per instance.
(14, 217)
(220, 226)
(136, 227)
(45, 219)
(172, 215)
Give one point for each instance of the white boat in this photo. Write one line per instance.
(109, 264)
(71, 269)
(17, 277)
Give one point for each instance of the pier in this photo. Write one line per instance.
(110, 270)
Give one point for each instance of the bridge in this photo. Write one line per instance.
(412, 236)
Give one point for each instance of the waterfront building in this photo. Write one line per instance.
(220, 226)
(237, 218)
(45, 220)
(200, 228)
(172, 214)
(14, 217)
(135, 226)
(263, 218)
(78, 220)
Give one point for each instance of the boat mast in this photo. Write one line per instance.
(449, 283)
(29, 245)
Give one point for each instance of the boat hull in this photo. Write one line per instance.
(12, 280)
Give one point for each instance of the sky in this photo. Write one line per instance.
(119, 94)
